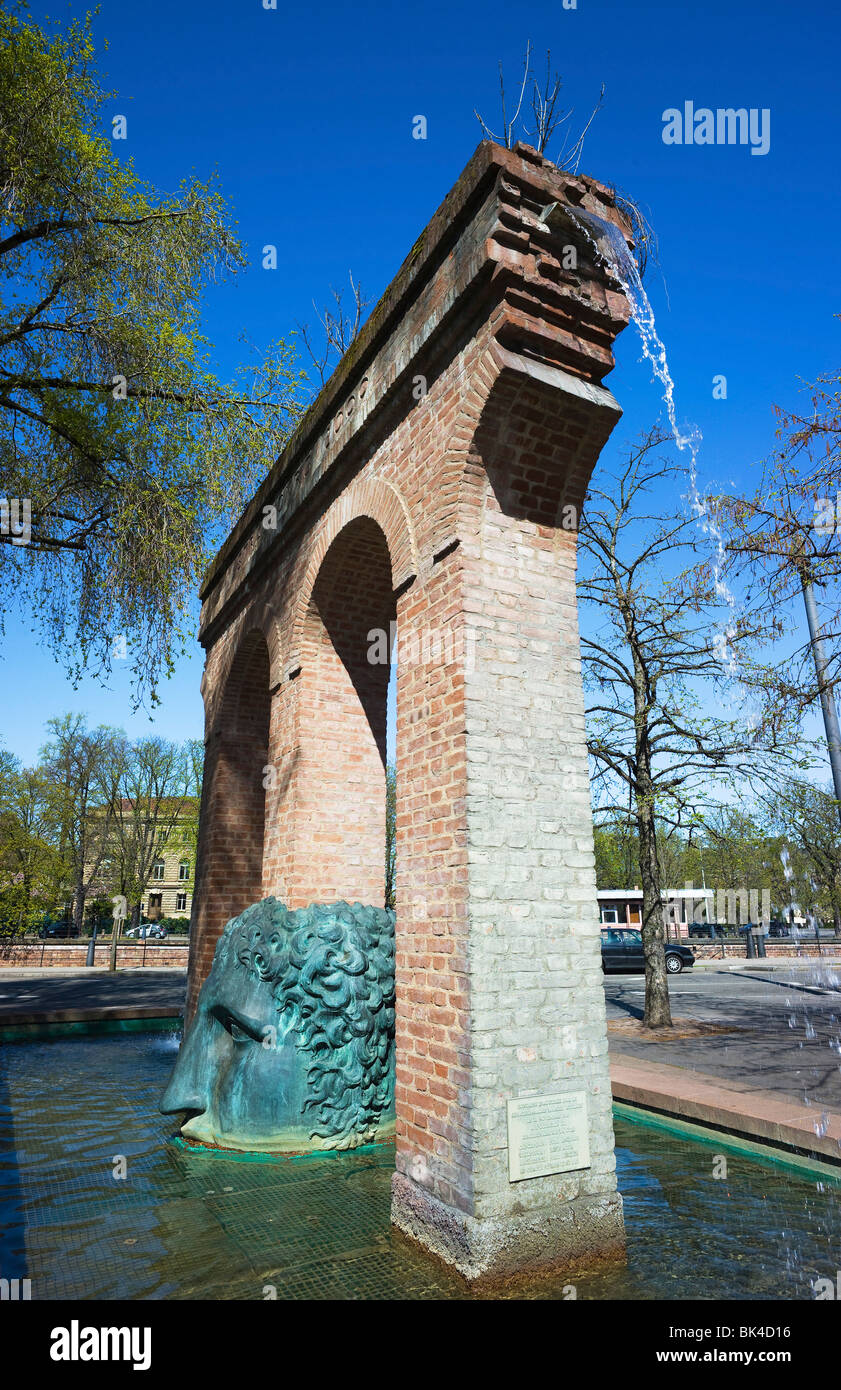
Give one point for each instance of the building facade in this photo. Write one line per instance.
(681, 908)
(169, 892)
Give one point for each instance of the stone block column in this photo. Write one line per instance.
(503, 1007)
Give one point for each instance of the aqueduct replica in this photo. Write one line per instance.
(432, 484)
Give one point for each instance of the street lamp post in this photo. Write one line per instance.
(92, 943)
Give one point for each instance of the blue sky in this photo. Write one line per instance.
(307, 114)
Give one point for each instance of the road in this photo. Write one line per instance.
(47, 991)
(786, 1027)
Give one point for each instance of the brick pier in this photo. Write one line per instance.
(435, 483)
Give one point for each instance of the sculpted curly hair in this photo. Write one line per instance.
(331, 967)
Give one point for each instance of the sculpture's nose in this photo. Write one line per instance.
(187, 1089)
(178, 1097)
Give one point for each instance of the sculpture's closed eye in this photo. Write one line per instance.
(236, 1030)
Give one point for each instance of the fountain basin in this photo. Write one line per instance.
(189, 1222)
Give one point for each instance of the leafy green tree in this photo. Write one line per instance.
(808, 820)
(133, 456)
(617, 855)
(152, 805)
(83, 765)
(186, 834)
(734, 847)
(98, 911)
(737, 852)
(32, 870)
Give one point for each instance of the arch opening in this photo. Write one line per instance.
(229, 868)
(341, 776)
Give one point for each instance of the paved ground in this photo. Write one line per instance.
(772, 1074)
(786, 1028)
(33, 994)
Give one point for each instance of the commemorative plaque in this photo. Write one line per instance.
(547, 1134)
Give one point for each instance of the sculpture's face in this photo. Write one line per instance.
(292, 1043)
(240, 1071)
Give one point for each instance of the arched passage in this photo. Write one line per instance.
(229, 865)
(341, 696)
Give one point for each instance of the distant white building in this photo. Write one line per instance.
(685, 907)
(682, 907)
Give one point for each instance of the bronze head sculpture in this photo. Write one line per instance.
(292, 1045)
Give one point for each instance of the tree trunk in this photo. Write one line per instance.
(23, 911)
(79, 905)
(658, 1013)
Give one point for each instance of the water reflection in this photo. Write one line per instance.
(187, 1224)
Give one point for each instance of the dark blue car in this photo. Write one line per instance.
(622, 951)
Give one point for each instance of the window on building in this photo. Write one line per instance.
(184, 870)
(158, 869)
(181, 902)
(609, 914)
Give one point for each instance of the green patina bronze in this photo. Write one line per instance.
(292, 1045)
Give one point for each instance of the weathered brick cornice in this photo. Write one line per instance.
(486, 257)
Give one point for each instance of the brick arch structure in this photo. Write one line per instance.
(326, 827)
(435, 479)
(229, 862)
(222, 660)
(382, 502)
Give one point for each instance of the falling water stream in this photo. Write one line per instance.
(612, 249)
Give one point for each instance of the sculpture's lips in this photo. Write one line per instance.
(198, 1126)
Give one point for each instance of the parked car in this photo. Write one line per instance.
(153, 931)
(50, 930)
(622, 950)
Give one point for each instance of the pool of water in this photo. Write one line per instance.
(189, 1224)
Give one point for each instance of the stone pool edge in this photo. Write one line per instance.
(745, 1112)
(62, 1023)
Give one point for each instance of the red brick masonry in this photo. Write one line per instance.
(75, 956)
